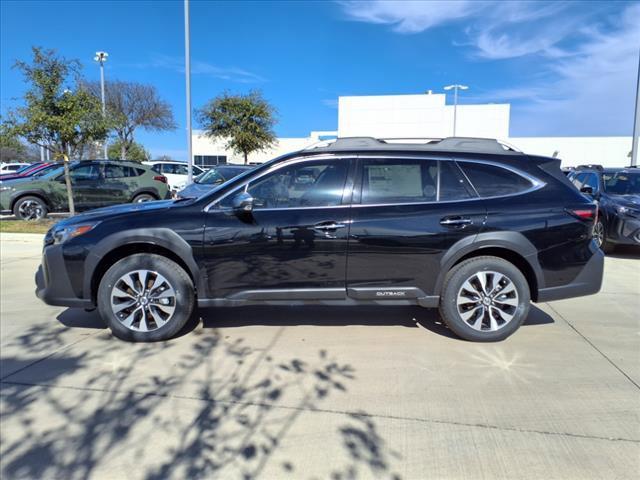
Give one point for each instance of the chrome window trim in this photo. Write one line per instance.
(278, 166)
(536, 184)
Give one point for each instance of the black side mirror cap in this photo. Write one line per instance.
(243, 203)
(586, 189)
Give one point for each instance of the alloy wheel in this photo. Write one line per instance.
(30, 210)
(143, 300)
(487, 301)
(598, 233)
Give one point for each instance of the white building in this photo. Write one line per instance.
(428, 116)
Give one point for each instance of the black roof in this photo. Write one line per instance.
(450, 144)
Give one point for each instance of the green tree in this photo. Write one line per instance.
(244, 121)
(135, 152)
(11, 148)
(131, 106)
(57, 115)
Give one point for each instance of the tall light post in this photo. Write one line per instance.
(101, 57)
(187, 73)
(455, 89)
(636, 127)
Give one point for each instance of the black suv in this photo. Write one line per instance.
(466, 225)
(617, 191)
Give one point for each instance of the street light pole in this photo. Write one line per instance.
(187, 73)
(101, 57)
(455, 102)
(636, 119)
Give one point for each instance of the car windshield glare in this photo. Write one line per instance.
(210, 178)
(622, 183)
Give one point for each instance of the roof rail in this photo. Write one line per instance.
(590, 166)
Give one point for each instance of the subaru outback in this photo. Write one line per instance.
(469, 226)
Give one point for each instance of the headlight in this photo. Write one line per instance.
(628, 211)
(5, 188)
(62, 234)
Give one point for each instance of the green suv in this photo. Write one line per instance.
(95, 183)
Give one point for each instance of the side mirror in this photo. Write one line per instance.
(587, 189)
(243, 203)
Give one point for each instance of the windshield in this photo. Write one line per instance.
(622, 183)
(210, 177)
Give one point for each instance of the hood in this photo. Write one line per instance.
(195, 190)
(106, 212)
(10, 182)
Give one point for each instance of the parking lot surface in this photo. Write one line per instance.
(320, 392)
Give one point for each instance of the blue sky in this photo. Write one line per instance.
(567, 68)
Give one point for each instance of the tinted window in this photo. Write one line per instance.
(407, 181)
(577, 179)
(492, 181)
(306, 184)
(157, 168)
(622, 183)
(85, 172)
(591, 180)
(114, 171)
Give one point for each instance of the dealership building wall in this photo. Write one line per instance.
(428, 116)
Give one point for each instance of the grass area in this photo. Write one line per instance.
(22, 226)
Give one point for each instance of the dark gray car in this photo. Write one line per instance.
(210, 179)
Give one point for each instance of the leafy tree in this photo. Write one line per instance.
(11, 148)
(135, 152)
(245, 121)
(57, 115)
(131, 106)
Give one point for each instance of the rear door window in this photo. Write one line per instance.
(396, 181)
(494, 181)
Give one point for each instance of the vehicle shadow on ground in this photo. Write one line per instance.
(74, 414)
(626, 252)
(411, 317)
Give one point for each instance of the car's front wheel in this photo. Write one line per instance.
(484, 299)
(600, 236)
(145, 298)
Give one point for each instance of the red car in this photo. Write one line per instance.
(35, 169)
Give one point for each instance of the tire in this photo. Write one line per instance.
(122, 303)
(462, 305)
(143, 197)
(600, 236)
(30, 208)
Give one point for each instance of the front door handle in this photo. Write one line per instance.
(328, 226)
(456, 221)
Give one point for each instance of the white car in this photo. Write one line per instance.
(176, 172)
(6, 168)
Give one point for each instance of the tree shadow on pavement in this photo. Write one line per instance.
(202, 406)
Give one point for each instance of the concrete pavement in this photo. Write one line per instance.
(338, 393)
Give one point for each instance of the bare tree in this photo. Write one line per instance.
(132, 105)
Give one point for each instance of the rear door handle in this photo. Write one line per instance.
(455, 221)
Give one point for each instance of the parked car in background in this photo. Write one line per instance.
(467, 225)
(8, 168)
(617, 192)
(95, 183)
(210, 179)
(176, 172)
(32, 170)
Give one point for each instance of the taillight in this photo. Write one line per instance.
(160, 178)
(586, 214)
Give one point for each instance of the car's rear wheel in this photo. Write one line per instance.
(30, 208)
(485, 299)
(145, 298)
(143, 197)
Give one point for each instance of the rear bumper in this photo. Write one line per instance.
(588, 282)
(53, 286)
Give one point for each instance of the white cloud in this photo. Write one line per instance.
(586, 57)
(233, 74)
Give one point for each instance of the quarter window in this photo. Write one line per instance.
(493, 181)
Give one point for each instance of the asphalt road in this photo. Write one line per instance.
(315, 393)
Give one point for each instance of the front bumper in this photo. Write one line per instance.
(624, 230)
(588, 282)
(53, 286)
